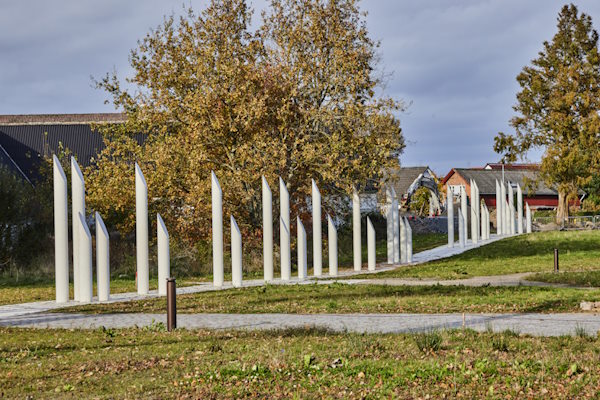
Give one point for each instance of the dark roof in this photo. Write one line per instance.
(403, 177)
(7, 162)
(486, 179)
(511, 166)
(61, 119)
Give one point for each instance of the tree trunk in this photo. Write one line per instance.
(562, 211)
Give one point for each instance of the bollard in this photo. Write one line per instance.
(171, 308)
(556, 260)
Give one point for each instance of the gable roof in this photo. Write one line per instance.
(402, 177)
(61, 119)
(486, 179)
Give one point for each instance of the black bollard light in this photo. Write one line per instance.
(556, 261)
(171, 308)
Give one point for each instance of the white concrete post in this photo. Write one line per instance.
(102, 259)
(284, 231)
(85, 261)
(463, 209)
(77, 207)
(498, 210)
(503, 208)
(302, 251)
(519, 210)
(511, 209)
(371, 248)
(474, 207)
(317, 231)
(267, 209)
(285, 256)
(528, 217)
(217, 230)
(507, 217)
(403, 242)
(396, 215)
(389, 224)
(487, 224)
(61, 233)
(409, 248)
(141, 232)
(356, 242)
(332, 247)
(236, 254)
(164, 255)
(477, 210)
(461, 228)
(450, 212)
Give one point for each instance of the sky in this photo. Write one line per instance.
(453, 62)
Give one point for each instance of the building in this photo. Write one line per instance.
(538, 196)
(24, 139)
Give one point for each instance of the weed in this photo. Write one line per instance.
(430, 341)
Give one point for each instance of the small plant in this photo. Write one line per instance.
(500, 343)
(430, 341)
(581, 332)
(156, 326)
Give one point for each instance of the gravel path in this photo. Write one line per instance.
(533, 324)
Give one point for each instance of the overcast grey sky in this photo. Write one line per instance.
(454, 61)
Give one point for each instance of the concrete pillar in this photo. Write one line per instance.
(409, 248)
(477, 211)
(141, 232)
(317, 231)
(356, 244)
(506, 217)
(77, 207)
(102, 259)
(285, 256)
(461, 228)
(61, 232)
(302, 251)
(396, 214)
(511, 209)
(403, 251)
(503, 207)
(332, 249)
(217, 230)
(463, 209)
(389, 224)
(450, 212)
(267, 210)
(528, 217)
(85, 261)
(371, 248)
(474, 207)
(519, 210)
(498, 209)
(164, 255)
(236, 254)
(284, 231)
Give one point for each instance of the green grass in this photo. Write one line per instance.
(578, 278)
(579, 251)
(342, 298)
(299, 363)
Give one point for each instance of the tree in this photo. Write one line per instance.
(558, 108)
(294, 99)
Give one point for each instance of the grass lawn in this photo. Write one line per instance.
(307, 363)
(579, 251)
(576, 278)
(342, 298)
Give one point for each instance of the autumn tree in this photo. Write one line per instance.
(558, 108)
(295, 99)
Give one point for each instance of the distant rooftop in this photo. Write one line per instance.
(61, 119)
(511, 166)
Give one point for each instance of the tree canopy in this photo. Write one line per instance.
(296, 98)
(558, 107)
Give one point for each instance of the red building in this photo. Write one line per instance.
(539, 196)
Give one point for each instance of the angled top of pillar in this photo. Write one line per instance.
(76, 170)
(139, 175)
(282, 187)
(83, 224)
(215, 181)
(265, 184)
(299, 224)
(58, 168)
(161, 225)
(401, 221)
(234, 226)
(100, 224)
(369, 223)
(315, 188)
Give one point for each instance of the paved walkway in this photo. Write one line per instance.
(533, 324)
